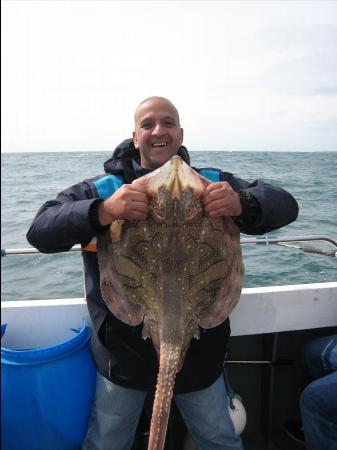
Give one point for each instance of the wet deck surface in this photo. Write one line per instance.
(252, 442)
(279, 442)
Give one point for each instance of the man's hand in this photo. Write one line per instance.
(220, 200)
(129, 202)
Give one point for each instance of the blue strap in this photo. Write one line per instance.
(210, 174)
(3, 329)
(106, 186)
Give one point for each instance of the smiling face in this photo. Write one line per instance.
(157, 134)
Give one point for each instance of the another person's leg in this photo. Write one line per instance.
(319, 413)
(319, 356)
(114, 418)
(206, 415)
(320, 359)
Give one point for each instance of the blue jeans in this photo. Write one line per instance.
(319, 399)
(116, 413)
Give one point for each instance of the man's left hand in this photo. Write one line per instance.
(221, 200)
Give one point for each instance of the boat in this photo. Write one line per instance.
(269, 327)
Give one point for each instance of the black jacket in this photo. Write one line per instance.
(119, 350)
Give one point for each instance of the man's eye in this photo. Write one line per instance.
(169, 124)
(146, 126)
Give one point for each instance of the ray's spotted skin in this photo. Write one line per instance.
(177, 271)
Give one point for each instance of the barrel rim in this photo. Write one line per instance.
(46, 354)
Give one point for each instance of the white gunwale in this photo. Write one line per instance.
(260, 310)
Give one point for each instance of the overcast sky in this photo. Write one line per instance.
(245, 75)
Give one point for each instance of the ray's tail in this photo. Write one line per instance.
(168, 365)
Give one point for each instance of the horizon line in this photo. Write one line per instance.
(189, 150)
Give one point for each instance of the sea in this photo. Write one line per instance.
(30, 179)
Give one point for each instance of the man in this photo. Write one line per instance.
(127, 364)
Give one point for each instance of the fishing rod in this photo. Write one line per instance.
(263, 240)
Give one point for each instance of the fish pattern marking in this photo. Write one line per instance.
(176, 272)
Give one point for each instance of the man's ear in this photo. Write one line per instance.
(135, 139)
(182, 135)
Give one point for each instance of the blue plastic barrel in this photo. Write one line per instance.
(47, 394)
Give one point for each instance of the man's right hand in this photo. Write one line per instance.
(130, 201)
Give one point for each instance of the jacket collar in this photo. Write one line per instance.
(125, 160)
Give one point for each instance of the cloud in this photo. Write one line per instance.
(328, 125)
(314, 74)
(303, 58)
(300, 35)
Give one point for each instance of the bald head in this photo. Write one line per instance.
(156, 99)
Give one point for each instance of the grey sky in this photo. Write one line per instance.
(245, 75)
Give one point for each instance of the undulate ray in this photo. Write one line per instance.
(176, 271)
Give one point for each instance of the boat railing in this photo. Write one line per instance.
(263, 240)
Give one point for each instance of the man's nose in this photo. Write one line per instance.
(158, 129)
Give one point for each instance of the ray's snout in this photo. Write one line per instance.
(177, 185)
(176, 177)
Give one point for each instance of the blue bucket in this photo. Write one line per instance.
(47, 394)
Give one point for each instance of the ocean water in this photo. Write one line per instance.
(29, 179)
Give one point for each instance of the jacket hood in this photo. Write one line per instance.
(123, 155)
